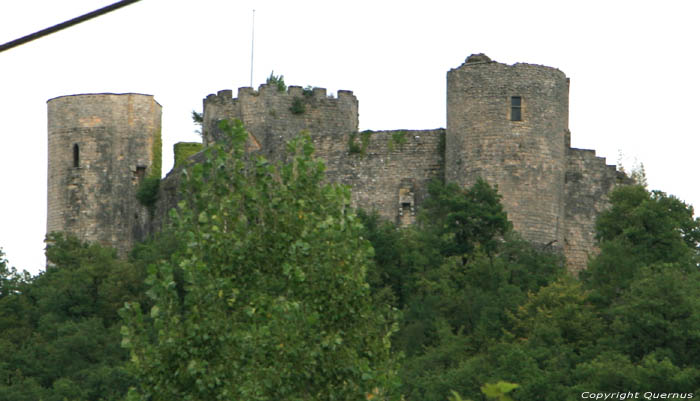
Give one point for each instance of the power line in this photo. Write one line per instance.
(64, 25)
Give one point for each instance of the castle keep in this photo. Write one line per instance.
(505, 123)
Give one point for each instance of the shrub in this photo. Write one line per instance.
(147, 194)
(278, 81)
(298, 106)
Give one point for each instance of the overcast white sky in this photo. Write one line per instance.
(635, 83)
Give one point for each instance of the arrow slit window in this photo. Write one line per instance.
(516, 108)
(76, 155)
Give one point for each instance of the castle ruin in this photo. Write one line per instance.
(505, 123)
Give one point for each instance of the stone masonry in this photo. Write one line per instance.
(100, 148)
(525, 158)
(505, 123)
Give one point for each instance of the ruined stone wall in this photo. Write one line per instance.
(169, 194)
(589, 180)
(377, 166)
(390, 174)
(100, 147)
(388, 171)
(526, 159)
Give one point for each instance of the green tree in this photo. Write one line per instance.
(473, 316)
(267, 298)
(398, 253)
(612, 370)
(641, 228)
(544, 338)
(59, 331)
(459, 275)
(464, 219)
(11, 281)
(498, 391)
(659, 227)
(659, 313)
(198, 121)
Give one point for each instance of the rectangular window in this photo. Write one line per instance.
(140, 173)
(516, 110)
(76, 156)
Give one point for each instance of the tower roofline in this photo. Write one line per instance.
(106, 94)
(481, 59)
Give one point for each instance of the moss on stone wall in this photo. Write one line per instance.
(361, 148)
(183, 150)
(364, 138)
(147, 192)
(353, 146)
(157, 156)
(398, 138)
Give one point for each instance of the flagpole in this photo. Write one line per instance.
(252, 49)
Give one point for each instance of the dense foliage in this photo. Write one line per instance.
(266, 286)
(147, 192)
(490, 307)
(266, 299)
(458, 277)
(59, 331)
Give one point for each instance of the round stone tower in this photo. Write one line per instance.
(101, 146)
(508, 124)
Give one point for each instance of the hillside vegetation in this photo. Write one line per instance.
(266, 285)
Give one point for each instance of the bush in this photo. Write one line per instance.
(147, 194)
(278, 81)
(298, 106)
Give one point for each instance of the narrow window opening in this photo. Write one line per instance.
(76, 155)
(140, 173)
(516, 111)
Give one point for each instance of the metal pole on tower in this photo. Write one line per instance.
(252, 49)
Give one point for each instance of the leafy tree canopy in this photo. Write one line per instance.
(59, 331)
(658, 227)
(267, 297)
(457, 277)
(641, 228)
(464, 219)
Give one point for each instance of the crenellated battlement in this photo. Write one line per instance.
(272, 117)
(316, 93)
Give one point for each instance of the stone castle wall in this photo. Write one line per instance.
(389, 176)
(388, 171)
(377, 168)
(588, 181)
(100, 146)
(552, 193)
